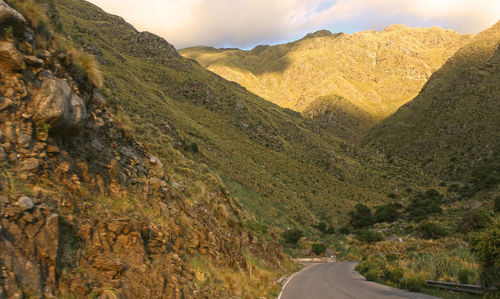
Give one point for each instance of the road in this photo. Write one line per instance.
(339, 280)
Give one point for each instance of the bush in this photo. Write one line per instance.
(397, 274)
(318, 248)
(431, 230)
(387, 213)
(425, 204)
(322, 227)
(464, 275)
(345, 230)
(371, 275)
(292, 236)
(496, 208)
(476, 220)
(361, 217)
(414, 283)
(369, 236)
(486, 246)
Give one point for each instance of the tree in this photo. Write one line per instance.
(361, 217)
(292, 236)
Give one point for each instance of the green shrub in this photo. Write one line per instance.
(486, 246)
(496, 208)
(361, 217)
(318, 248)
(424, 204)
(464, 275)
(292, 236)
(345, 230)
(414, 283)
(431, 230)
(325, 229)
(476, 220)
(397, 274)
(387, 213)
(369, 236)
(371, 275)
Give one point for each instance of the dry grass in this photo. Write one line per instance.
(88, 65)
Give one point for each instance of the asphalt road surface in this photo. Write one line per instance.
(339, 280)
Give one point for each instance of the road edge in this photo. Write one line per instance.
(291, 277)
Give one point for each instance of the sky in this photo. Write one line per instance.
(247, 23)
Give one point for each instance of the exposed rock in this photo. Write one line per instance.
(25, 203)
(98, 99)
(30, 165)
(97, 145)
(129, 153)
(3, 154)
(33, 61)
(10, 57)
(10, 17)
(56, 104)
(4, 103)
(156, 167)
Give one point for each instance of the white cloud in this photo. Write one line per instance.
(245, 23)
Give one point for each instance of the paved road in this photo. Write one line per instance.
(339, 280)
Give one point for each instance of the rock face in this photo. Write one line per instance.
(102, 216)
(56, 104)
(10, 17)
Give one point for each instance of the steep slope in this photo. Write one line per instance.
(451, 127)
(284, 169)
(86, 210)
(376, 71)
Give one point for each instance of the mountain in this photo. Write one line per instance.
(376, 72)
(284, 169)
(451, 128)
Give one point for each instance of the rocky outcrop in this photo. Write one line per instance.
(93, 213)
(56, 104)
(11, 18)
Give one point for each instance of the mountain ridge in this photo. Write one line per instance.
(376, 71)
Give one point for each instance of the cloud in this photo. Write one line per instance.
(246, 23)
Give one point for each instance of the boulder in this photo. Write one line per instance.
(10, 17)
(10, 58)
(56, 104)
(25, 203)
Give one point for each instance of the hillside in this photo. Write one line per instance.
(85, 209)
(451, 127)
(377, 72)
(284, 169)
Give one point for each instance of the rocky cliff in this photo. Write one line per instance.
(86, 210)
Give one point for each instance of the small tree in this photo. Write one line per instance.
(318, 248)
(292, 236)
(361, 217)
(486, 246)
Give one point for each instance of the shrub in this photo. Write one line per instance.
(318, 248)
(194, 147)
(397, 274)
(369, 236)
(371, 275)
(476, 220)
(424, 204)
(486, 246)
(345, 230)
(431, 230)
(322, 227)
(387, 213)
(464, 275)
(292, 236)
(414, 283)
(361, 217)
(496, 208)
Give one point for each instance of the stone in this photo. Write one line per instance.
(98, 99)
(122, 178)
(156, 167)
(10, 133)
(10, 17)
(4, 103)
(24, 140)
(10, 57)
(25, 203)
(3, 154)
(25, 48)
(97, 145)
(30, 165)
(44, 55)
(128, 153)
(57, 105)
(33, 61)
